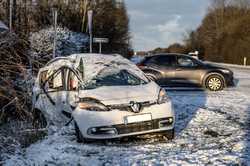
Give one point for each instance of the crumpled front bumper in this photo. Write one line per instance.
(112, 124)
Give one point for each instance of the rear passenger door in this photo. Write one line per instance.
(165, 64)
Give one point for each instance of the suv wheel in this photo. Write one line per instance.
(214, 83)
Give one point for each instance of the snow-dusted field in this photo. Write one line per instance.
(213, 128)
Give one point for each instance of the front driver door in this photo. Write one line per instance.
(53, 88)
(187, 72)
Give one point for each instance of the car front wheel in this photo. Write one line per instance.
(214, 83)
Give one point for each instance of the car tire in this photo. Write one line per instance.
(170, 134)
(214, 82)
(79, 137)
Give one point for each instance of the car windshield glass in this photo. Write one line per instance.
(196, 61)
(111, 77)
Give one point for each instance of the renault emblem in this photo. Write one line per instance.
(136, 107)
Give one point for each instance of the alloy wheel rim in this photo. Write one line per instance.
(214, 83)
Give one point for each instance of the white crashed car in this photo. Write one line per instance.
(106, 96)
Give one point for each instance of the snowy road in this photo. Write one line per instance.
(212, 129)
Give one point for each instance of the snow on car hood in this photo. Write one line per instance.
(123, 94)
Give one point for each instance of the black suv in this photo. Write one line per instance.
(175, 70)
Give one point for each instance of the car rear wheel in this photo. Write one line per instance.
(169, 134)
(214, 83)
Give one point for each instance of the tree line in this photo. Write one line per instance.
(223, 36)
(110, 19)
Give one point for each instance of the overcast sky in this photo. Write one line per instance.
(159, 23)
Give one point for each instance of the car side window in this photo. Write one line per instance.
(55, 83)
(52, 80)
(166, 61)
(185, 62)
(73, 81)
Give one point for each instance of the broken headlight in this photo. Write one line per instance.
(162, 97)
(91, 104)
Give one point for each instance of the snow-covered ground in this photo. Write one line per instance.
(213, 128)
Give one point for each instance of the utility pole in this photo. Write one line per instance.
(55, 31)
(90, 18)
(10, 15)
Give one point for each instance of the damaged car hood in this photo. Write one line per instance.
(123, 94)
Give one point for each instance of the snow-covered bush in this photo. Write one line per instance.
(68, 42)
(14, 91)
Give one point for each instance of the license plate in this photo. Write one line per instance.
(138, 118)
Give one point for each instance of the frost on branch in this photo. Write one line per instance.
(68, 43)
(14, 61)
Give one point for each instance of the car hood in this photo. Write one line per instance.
(211, 66)
(222, 70)
(113, 95)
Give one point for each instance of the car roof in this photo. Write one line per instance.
(72, 59)
(93, 63)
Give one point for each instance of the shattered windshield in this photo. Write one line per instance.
(114, 77)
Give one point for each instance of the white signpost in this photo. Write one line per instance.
(10, 15)
(90, 19)
(55, 31)
(100, 41)
(245, 61)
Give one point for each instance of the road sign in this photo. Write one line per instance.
(101, 40)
